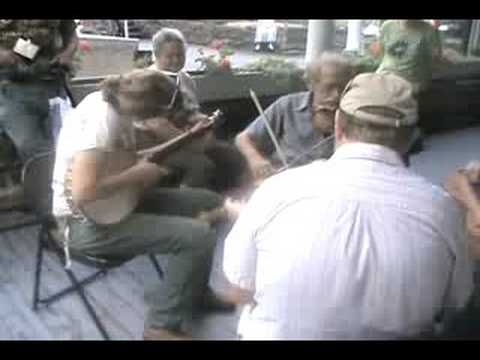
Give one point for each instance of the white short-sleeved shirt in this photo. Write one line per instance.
(93, 124)
(356, 247)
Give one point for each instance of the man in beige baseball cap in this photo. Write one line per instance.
(379, 109)
(373, 250)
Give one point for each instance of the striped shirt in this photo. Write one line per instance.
(355, 247)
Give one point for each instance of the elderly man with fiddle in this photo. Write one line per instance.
(298, 121)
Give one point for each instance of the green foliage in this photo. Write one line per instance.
(282, 71)
(226, 52)
(366, 63)
(84, 47)
(142, 62)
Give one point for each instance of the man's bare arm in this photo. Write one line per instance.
(461, 188)
(260, 166)
(236, 295)
(460, 185)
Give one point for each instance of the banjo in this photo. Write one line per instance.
(117, 207)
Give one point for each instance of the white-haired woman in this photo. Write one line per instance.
(169, 50)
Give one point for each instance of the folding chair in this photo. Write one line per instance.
(37, 177)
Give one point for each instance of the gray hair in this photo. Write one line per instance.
(164, 36)
(343, 63)
(398, 139)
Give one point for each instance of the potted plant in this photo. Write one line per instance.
(218, 80)
(215, 60)
(84, 47)
(283, 73)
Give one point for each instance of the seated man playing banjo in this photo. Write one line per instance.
(302, 123)
(99, 180)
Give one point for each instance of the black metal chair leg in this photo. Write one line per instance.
(91, 311)
(38, 269)
(156, 265)
(70, 289)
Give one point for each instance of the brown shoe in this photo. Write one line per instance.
(159, 334)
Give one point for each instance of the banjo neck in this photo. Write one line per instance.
(168, 146)
(178, 141)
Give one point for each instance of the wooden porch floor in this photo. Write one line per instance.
(118, 297)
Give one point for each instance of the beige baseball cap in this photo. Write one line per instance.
(383, 99)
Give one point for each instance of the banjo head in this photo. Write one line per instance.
(117, 207)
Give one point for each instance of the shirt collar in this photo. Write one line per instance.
(366, 151)
(305, 101)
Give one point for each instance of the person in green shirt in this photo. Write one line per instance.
(409, 49)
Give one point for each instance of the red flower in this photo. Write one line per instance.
(217, 44)
(375, 49)
(84, 46)
(224, 64)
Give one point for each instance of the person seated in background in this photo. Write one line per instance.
(167, 221)
(299, 121)
(213, 164)
(355, 247)
(169, 50)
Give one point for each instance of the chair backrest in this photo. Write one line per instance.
(37, 182)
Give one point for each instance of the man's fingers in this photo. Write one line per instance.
(473, 171)
(265, 170)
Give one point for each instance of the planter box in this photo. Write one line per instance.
(211, 88)
(226, 86)
(228, 92)
(108, 55)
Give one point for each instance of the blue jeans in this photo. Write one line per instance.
(24, 115)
